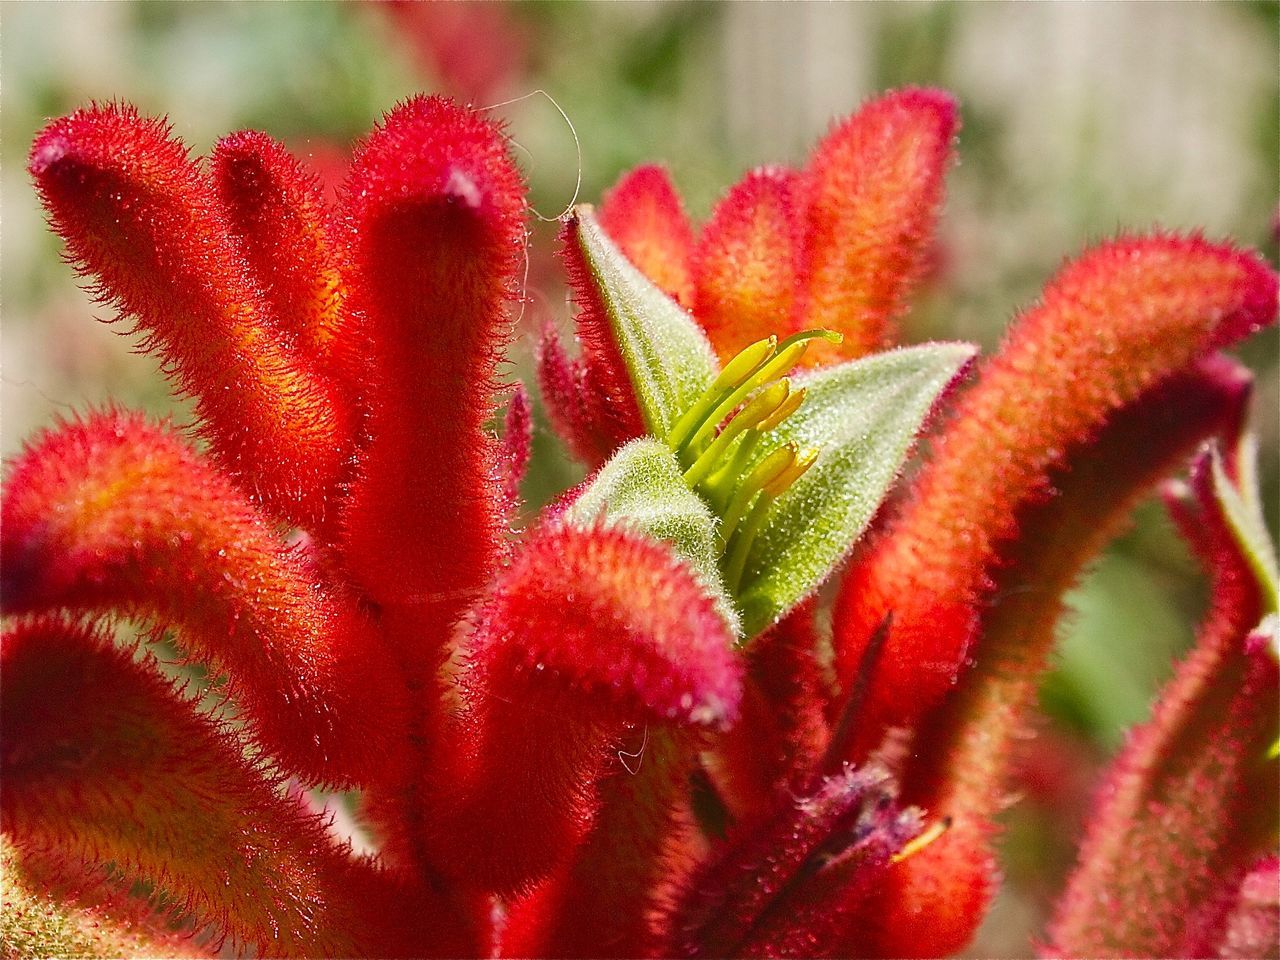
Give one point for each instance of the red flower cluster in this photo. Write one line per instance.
(561, 746)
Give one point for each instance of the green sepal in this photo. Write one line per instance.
(670, 360)
(641, 488)
(1242, 506)
(862, 416)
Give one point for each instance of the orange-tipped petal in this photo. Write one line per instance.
(589, 631)
(749, 260)
(435, 209)
(643, 215)
(102, 761)
(140, 218)
(276, 213)
(114, 514)
(874, 186)
(1110, 326)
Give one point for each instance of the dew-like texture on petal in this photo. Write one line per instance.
(142, 221)
(643, 215)
(116, 514)
(1183, 809)
(962, 750)
(102, 760)
(276, 213)
(874, 186)
(749, 261)
(1110, 326)
(434, 210)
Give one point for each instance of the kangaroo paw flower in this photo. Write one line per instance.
(114, 514)
(1110, 326)
(102, 762)
(141, 219)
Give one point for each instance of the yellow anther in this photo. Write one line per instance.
(741, 539)
(926, 837)
(737, 370)
(779, 364)
(766, 470)
(762, 406)
(786, 409)
(783, 481)
(790, 351)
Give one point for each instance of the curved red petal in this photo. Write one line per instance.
(1111, 325)
(114, 514)
(874, 186)
(103, 761)
(141, 218)
(749, 262)
(1183, 807)
(643, 215)
(961, 753)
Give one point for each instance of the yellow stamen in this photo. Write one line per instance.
(789, 353)
(783, 481)
(748, 360)
(789, 406)
(740, 543)
(742, 539)
(736, 371)
(926, 837)
(779, 364)
(761, 407)
(765, 471)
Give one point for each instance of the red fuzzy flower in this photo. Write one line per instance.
(615, 730)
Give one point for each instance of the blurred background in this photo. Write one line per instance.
(1080, 119)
